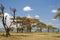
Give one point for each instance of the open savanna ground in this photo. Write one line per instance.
(31, 36)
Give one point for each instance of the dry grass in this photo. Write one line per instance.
(31, 36)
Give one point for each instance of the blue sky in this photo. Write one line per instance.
(43, 8)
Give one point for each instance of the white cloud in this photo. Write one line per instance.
(8, 16)
(37, 16)
(54, 11)
(8, 21)
(53, 19)
(27, 8)
(1, 25)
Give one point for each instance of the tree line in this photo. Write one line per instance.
(22, 23)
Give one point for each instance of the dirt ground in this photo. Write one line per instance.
(31, 36)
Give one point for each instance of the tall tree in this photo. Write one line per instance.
(41, 25)
(14, 11)
(28, 24)
(20, 21)
(58, 14)
(50, 27)
(4, 20)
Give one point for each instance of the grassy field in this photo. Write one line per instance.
(31, 36)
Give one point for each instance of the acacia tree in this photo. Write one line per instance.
(4, 20)
(37, 23)
(14, 11)
(57, 16)
(20, 21)
(50, 27)
(41, 25)
(11, 28)
(54, 28)
(27, 23)
(7, 28)
(15, 19)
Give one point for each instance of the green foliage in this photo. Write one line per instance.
(51, 27)
(11, 28)
(58, 14)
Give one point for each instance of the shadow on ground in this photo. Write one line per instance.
(57, 36)
(16, 35)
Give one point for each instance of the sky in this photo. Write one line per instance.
(45, 10)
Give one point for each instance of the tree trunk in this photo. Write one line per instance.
(4, 22)
(40, 29)
(7, 32)
(48, 30)
(17, 30)
(58, 30)
(30, 29)
(22, 30)
(6, 29)
(53, 30)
